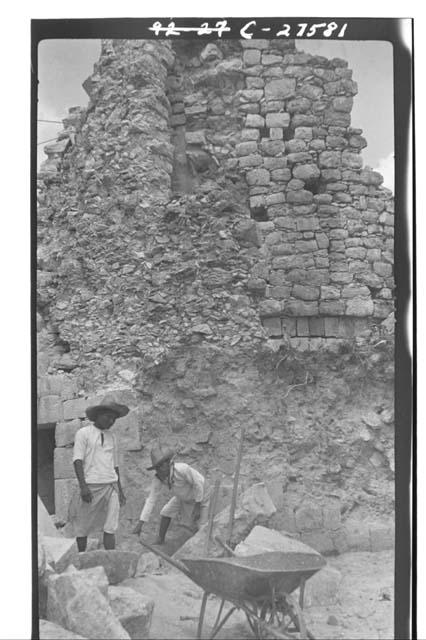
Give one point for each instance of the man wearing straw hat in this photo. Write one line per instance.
(96, 504)
(187, 485)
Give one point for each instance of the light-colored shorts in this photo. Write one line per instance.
(113, 512)
(176, 507)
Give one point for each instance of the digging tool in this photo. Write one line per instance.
(235, 488)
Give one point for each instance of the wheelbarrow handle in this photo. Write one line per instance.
(175, 563)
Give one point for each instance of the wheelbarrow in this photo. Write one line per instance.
(260, 585)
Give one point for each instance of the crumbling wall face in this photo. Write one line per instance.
(98, 210)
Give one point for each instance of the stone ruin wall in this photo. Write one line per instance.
(206, 216)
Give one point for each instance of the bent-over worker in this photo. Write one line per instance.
(187, 486)
(97, 502)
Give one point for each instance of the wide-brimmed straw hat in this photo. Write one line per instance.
(159, 455)
(107, 404)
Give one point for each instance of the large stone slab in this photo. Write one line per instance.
(64, 489)
(75, 602)
(261, 540)
(323, 588)
(52, 631)
(44, 521)
(65, 432)
(49, 410)
(133, 610)
(254, 505)
(118, 565)
(60, 551)
(62, 463)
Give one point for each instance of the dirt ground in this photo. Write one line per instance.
(364, 607)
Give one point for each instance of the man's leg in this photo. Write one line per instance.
(109, 541)
(111, 521)
(82, 543)
(169, 511)
(164, 525)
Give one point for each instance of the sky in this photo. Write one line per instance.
(65, 64)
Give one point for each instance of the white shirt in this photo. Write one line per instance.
(98, 459)
(186, 483)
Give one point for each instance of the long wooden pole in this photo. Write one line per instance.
(212, 509)
(235, 488)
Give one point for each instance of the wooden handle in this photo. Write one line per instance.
(235, 488)
(175, 563)
(212, 508)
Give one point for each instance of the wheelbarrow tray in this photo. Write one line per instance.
(253, 577)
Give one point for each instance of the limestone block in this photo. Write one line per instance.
(289, 326)
(309, 517)
(59, 550)
(246, 148)
(370, 177)
(383, 269)
(280, 89)
(261, 540)
(52, 631)
(250, 134)
(360, 307)
(320, 540)
(255, 44)
(299, 197)
(49, 410)
(44, 521)
(306, 171)
(281, 175)
(270, 59)
(251, 57)
(258, 177)
(356, 538)
(50, 385)
(299, 156)
(305, 293)
(276, 198)
(211, 52)
(303, 133)
(316, 327)
(75, 408)
(296, 145)
(253, 160)
(311, 91)
(323, 588)
(65, 432)
(133, 610)
(276, 133)
(270, 308)
(64, 489)
(62, 463)
(355, 291)
(118, 565)
(272, 147)
(253, 505)
(382, 537)
(272, 326)
(251, 95)
(299, 308)
(254, 120)
(278, 120)
(302, 327)
(306, 246)
(330, 159)
(75, 603)
(343, 104)
(128, 431)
